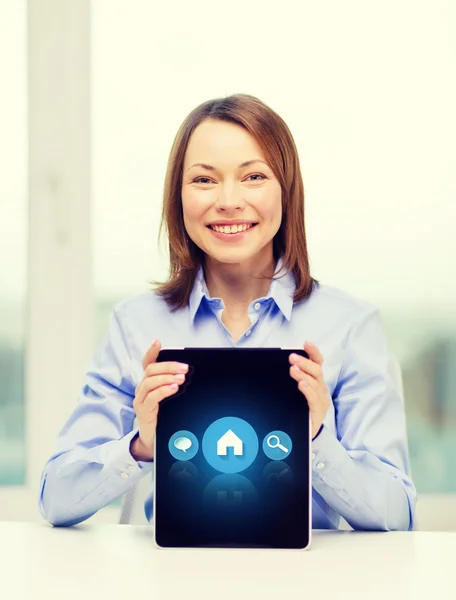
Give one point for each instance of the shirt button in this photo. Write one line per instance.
(321, 466)
(248, 332)
(313, 455)
(124, 475)
(257, 306)
(131, 468)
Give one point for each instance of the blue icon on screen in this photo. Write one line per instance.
(230, 445)
(183, 445)
(277, 445)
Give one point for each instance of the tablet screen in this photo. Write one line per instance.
(232, 466)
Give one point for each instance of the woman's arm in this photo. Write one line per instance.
(363, 472)
(92, 464)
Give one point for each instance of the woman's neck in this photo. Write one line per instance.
(239, 284)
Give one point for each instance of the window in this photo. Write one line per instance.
(13, 236)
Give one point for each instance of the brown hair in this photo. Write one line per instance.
(277, 143)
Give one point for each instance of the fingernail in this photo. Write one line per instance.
(303, 382)
(309, 343)
(180, 378)
(154, 343)
(293, 357)
(182, 368)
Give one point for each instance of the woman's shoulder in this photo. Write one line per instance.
(143, 305)
(340, 302)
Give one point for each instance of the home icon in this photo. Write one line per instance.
(229, 440)
(227, 451)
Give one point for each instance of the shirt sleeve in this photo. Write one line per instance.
(92, 465)
(363, 471)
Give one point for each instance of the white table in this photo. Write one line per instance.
(119, 561)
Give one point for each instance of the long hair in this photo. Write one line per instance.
(276, 141)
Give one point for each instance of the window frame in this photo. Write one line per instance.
(59, 327)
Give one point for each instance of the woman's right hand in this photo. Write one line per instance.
(161, 379)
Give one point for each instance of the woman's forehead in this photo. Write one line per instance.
(215, 140)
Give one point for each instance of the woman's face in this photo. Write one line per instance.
(231, 199)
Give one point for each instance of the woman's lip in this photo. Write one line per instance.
(230, 223)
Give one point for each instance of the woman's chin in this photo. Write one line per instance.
(229, 255)
(235, 256)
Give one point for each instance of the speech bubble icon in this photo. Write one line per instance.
(183, 443)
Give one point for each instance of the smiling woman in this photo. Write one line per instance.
(234, 163)
(233, 208)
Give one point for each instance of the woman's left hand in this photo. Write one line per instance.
(309, 375)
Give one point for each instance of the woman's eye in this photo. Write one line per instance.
(206, 180)
(202, 180)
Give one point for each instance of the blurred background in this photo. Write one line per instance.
(92, 94)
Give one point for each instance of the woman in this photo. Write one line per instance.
(240, 276)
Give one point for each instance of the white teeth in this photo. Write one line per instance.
(232, 229)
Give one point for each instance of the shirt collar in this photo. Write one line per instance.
(281, 291)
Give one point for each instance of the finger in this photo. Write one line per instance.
(151, 354)
(299, 375)
(296, 373)
(161, 368)
(307, 365)
(313, 352)
(309, 381)
(317, 396)
(311, 394)
(320, 386)
(154, 398)
(148, 417)
(150, 384)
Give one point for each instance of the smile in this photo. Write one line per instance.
(231, 229)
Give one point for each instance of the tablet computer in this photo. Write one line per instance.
(232, 453)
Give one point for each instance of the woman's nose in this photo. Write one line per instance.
(229, 198)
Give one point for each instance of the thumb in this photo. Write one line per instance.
(151, 354)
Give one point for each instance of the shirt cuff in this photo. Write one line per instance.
(120, 460)
(327, 453)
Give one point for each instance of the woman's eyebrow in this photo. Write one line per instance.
(244, 164)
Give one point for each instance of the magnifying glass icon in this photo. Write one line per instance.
(276, 443)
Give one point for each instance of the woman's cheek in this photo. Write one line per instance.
(268, 203)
